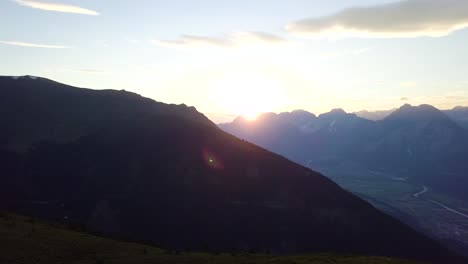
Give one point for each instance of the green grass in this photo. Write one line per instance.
(25, 240)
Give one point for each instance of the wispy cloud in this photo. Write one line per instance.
(257, 37)
(193, 41)
(238, 39)
(56, 7)
(33, 45)
(401, 19)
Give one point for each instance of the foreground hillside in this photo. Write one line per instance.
(29, 241)
(163, 175)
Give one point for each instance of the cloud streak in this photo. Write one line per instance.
(193, 41)
(239, 39)
(401, 19)
(33, 45)
(56, 7)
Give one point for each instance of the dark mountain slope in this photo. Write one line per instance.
(177, 182)
(34, 109)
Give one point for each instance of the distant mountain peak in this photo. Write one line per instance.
(428, 107)
(421, 112)
(460, 108)
(298, 115)
(406, 106)
(334, 113)
(420, 108)
(338, 111)
(302, 112)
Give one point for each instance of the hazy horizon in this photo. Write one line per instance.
(218, 118)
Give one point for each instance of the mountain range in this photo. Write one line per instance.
(459, 114)
(421, 142)
(129, 167)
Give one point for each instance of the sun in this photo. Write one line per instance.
(250, 107)
(250, 116)
(247, 94)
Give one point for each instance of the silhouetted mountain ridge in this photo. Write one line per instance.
(71, 112)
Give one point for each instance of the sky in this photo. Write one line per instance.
(230, 58)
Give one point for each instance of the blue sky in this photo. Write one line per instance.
(229, 58)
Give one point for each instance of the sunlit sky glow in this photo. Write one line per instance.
(230, 58)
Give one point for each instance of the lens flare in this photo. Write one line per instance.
(212, 160)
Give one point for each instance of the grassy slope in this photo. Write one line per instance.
(25, 240)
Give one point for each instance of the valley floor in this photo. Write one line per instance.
(435, 214)
(25, 240)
